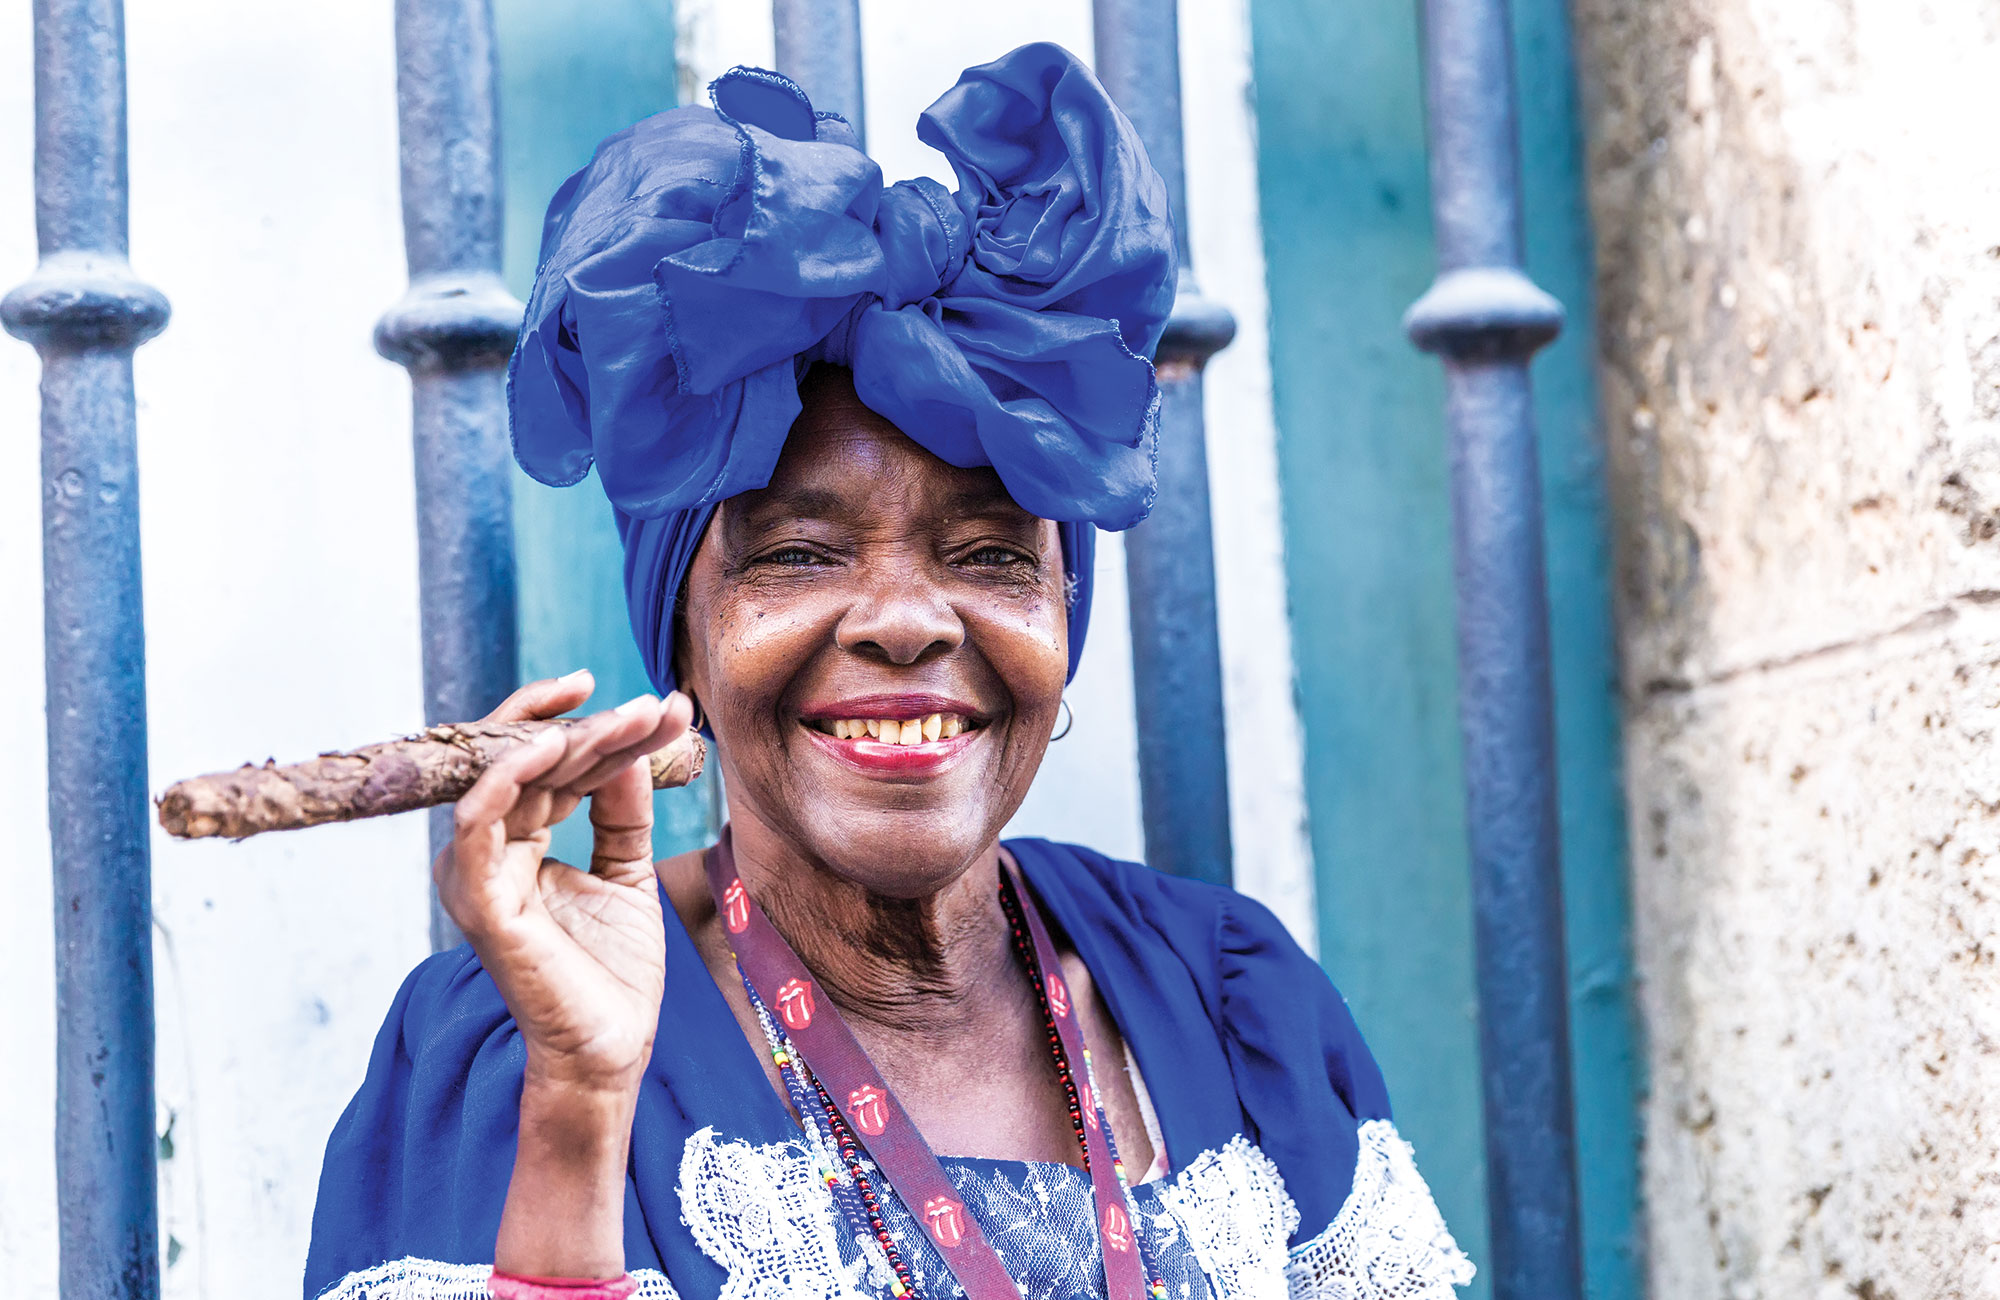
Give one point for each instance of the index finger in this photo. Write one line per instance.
(605, 756)
(548, 698)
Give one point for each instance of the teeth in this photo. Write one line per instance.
(897, 731)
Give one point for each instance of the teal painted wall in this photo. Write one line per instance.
(1345, 199)
(569, 76)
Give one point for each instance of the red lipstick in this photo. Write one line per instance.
(874, 758)
(888, 759)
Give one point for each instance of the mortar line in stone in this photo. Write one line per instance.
(1934, 619)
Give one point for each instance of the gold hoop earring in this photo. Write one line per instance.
(700, 719)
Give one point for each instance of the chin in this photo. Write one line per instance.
(901, 852)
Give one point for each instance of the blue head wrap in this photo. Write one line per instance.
(707, 256)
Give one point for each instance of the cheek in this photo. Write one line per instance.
(758, 650)
(1028, 646)
(750, 650)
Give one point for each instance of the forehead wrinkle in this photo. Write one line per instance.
(842, 470)
(989, 498)
(777, 505)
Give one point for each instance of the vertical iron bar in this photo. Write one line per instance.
(1485, 318)
(819, 46)
(454, 330)
(1170, 559)
(85, 312)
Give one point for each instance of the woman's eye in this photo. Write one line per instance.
(791, 556)
(990, 556)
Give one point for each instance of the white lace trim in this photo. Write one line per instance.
(1388, 1242)
(763, 1213)
(1237, 1215)
(427, 1279)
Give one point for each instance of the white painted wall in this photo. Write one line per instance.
(281, 578)
(281, 614)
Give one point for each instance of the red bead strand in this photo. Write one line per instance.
(1040, 978)
(1012, 907)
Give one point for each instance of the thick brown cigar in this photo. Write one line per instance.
(433, 767)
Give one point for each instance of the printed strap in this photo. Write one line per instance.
(1124, 1271)
(850, 1078)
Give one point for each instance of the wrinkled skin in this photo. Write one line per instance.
(870, 566)
(867, 568)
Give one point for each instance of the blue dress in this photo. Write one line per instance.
(1287, 1178)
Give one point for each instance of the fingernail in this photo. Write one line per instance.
(547, 735)
(633, 705)
(576, 676)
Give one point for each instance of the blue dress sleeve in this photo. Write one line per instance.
(418, 1166)
(1304, 1077)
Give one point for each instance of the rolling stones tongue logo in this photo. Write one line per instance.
(1058, 996)
(864, 1104)
(795, 1003)
(826, 1058)
(1117, 1227)
(947, 1220)
(736, 908)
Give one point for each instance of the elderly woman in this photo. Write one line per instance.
(858, 440)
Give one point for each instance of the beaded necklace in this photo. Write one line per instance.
(826, 1062)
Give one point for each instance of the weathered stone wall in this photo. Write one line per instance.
(1797, 208)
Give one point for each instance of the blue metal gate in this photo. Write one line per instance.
(85, 313)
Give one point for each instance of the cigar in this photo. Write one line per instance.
(435, 766)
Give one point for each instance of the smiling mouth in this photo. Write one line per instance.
(896, 731)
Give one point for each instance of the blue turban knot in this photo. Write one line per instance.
(707, 256)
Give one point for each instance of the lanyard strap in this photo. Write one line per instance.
(782, 982)
(1124, 1271)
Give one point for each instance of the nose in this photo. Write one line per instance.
(901, 619)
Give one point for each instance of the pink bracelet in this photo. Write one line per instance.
(513, 1286)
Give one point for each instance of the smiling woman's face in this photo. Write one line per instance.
(879, 641)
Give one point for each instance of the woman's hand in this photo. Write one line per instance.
(579, 957)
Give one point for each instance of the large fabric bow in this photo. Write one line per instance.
(706, 256)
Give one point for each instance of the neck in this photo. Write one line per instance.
(926, 965)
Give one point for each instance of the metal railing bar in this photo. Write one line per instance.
(819, 46)
(1170, 559)
(85, 312)
(453, 331)
(1485, 319)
